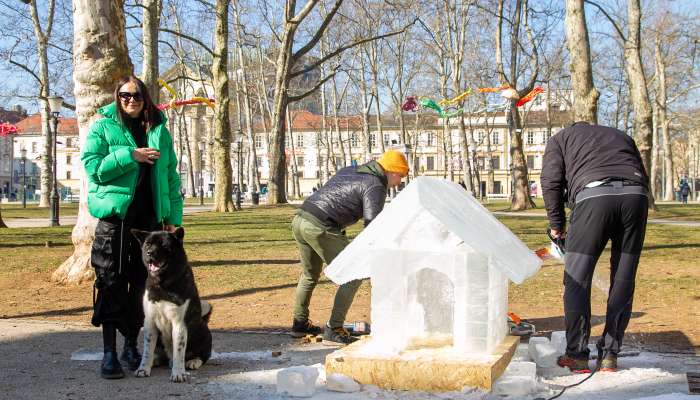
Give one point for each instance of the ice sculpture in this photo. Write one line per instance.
(439, 264)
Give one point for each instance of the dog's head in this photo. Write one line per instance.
(161, 250)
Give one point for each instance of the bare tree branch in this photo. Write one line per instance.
(190, 38)
(318, 85)
(319, 32)
(612, 21)
(348, 46)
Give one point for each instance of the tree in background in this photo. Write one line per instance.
(100, 58)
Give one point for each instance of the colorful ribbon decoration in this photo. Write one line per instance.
(457, 99)
(428, 103)
(531, 95)
(410, 104)
(492, 89)
(7, 129)
(179, 103)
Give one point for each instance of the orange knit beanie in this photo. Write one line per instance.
(394, 161)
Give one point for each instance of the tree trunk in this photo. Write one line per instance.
(42, 43)
(367, 143)
(662, 121)
(247, 108)
(223, 191)
(585, 93)
(2, 223)
(100, 58)
(375, 93)
(654, 176)
(521, 188)
(276, 193)
(150, 25)
(638, 87)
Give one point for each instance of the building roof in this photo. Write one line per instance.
(32, 125)
(12, 116)
(433, 214)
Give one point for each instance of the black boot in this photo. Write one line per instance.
(111, 369)
(130, 354)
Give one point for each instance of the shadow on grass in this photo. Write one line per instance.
(211, 263)
(235, 241)
(556, 323)
(672, 246)
(50, 313)
(243, 292)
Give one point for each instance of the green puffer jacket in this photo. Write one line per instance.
(112, 172)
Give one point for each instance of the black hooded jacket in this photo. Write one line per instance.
(351, 194)
(581, 154)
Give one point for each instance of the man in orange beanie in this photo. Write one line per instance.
(319, 230)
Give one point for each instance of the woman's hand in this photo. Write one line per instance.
(145, 155)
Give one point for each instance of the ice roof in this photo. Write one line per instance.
(457, 210)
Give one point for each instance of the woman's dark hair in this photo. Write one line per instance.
(150, 114)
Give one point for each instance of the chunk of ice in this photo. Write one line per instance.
(297, 381)
(341, 383)
(558, 341)
(545, 355)
(531, 345)
(515, 386)
(521, 368)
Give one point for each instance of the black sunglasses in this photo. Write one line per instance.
(126, 96)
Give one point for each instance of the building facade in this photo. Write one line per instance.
(68, 163)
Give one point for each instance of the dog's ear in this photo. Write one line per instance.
(140, 235)
(180, 233)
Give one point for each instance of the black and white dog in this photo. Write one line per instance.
(173, 312)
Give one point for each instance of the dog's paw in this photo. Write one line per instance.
(179, 376)
(142, 373)
(194, 363)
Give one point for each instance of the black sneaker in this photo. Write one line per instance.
(111, 369)
(301, 328)
(336, 336)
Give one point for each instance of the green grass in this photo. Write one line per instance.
(252, 251)
(33, 211)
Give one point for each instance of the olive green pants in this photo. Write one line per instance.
(318, 245)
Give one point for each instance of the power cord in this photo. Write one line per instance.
(601, 354)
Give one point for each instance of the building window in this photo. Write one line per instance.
(67, 174)
(372, 140)
(495, 162)
(33, 147)
(545, 136)
(481, 163)
(353, 139)
(300, 161)
(531, 162)
(387, 139)
(495, 138)
(258, 161)
(68, 142)
(480, 137)
(430, 163)
(258, 141)
(69, 160)
(300, 140)
(531, 137)
(497, 187)
(429, 139)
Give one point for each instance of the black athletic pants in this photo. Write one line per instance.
(120, 276)
(612, 212)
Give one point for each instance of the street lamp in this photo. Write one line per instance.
(201, 173)
(55, 104)
(23, 155)
(238, 138)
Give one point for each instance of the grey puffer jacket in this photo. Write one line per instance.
(353, 193)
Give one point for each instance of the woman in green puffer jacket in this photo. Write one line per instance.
(133, 182)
